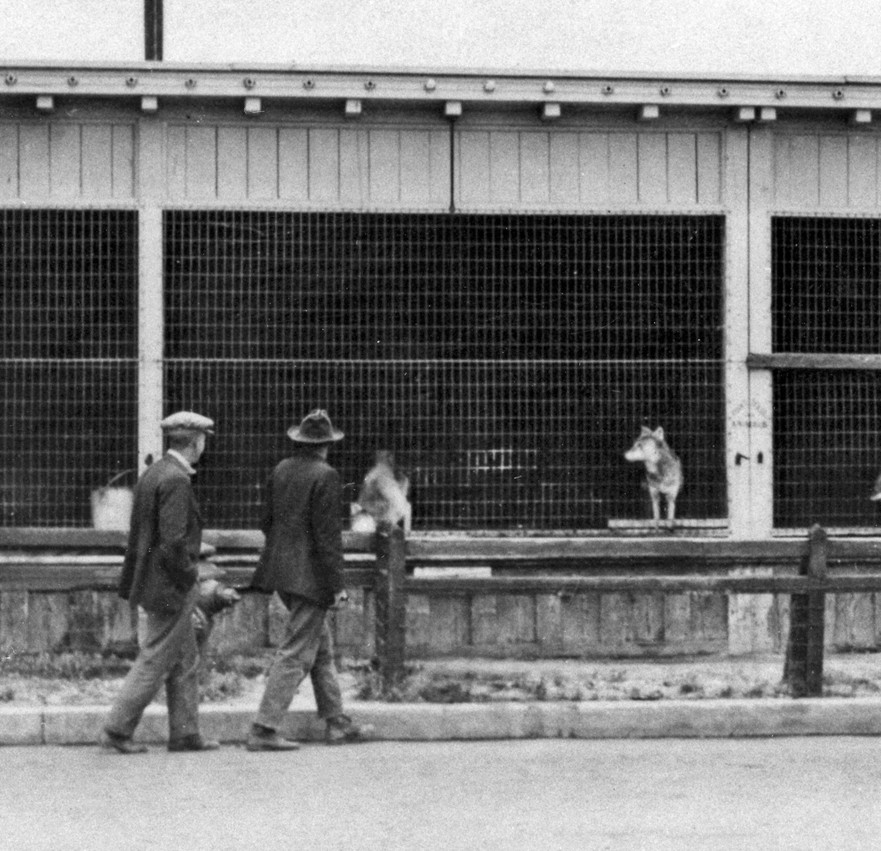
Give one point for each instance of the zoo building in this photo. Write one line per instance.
(500, 278)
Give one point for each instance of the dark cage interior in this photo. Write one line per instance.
(826, 299)
(826, 448)
(508, 360)
(68, 360)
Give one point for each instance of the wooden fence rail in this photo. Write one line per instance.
(804, 657)
(805, 568)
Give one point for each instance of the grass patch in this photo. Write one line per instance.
(485, 681)
(94, 678)
(83, 678)
(64, 666)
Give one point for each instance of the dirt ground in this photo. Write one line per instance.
(79, 680)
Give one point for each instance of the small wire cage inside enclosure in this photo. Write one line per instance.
(68, 360)
(508, 360)
(826, 298)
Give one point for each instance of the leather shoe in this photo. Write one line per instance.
(120, 744)
(343, 731)
(193, 743)
(270, 742)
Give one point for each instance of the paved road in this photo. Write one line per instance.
(797, 793)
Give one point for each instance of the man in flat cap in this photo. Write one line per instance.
(159, 574)
(303, 562)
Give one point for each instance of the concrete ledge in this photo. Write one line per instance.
(71, 725)
(447, 722)
(21, 726)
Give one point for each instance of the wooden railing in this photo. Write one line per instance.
(806, 568)
(806, 563)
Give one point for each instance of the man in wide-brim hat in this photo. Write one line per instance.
(159, 574)
(303, 562)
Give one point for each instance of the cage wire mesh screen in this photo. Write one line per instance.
(826, 298)
(507, 360)
(68, 358)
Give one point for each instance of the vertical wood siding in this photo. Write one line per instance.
(564, 169)
(53, 160)
(540, 625)
(328, 167)
(826, 171)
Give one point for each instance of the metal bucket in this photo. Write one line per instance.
(112, 506)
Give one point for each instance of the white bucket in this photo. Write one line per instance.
(361, 521)
(112, 506)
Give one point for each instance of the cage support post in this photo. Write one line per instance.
(391, 604)
(803, 669)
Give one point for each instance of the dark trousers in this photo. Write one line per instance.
(307, 649)
(168, 654)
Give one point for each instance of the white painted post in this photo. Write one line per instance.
(761, 387)
(151, 185)
(737, 448)
(748, 321)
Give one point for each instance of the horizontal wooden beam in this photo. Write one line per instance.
(467, 550)
(60, 544)
(525, 572)
(565, 585)
(24, 576)
(749, 95)
(103, 576)
(801, 360)
(91, 539)
(56, 538)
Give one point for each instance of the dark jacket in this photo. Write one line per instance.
(301, 520)
(164, 539)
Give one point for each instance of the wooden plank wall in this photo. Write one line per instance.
(310, 166)
(323, 165)
(517, 626)
(583, 625)
(567, 169)
(67, 160)
(409, 168)
(827, 171)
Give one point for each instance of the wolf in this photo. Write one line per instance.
(382, 500)
(663, 470)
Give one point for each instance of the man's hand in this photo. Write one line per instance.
(229, 596)
(339, 599)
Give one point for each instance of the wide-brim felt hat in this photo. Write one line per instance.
(316, 427)
(186, 422)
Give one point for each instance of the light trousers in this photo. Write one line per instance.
(168, 654)
(307, 649)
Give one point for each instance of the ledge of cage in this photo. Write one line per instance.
(710, 527)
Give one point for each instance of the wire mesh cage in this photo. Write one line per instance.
(826, 298)
(508, 360)
(825, 285)
(826, 449)
(68, 360)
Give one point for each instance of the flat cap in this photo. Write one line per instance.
(186, 421)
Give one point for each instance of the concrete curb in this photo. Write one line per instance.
(79, 725)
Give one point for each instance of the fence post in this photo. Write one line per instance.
(803, 669)
(391, 604)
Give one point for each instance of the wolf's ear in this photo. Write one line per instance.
(659, 433)
(646, 432)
